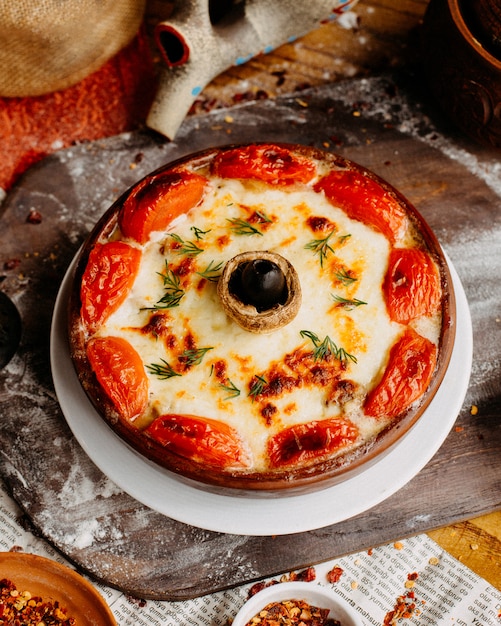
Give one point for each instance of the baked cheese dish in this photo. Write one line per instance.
(261, 317)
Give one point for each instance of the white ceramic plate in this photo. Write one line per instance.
(164, 492)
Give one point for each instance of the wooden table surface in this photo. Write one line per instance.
(381, 34)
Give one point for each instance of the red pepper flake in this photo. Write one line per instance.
(405, 605)
(21, 607)
(11, 264)
(307, 575)
(34, 217)
(334, 575)
(292, 613)
(404, 608)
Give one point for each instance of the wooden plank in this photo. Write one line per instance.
(476, 543)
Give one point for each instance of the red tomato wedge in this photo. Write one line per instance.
(303, 442)
(363, 199)
(120, 372)
(108, 277)
(272, 164)
(407, 375)
(157, 200)
(411, 285)
(201, 439)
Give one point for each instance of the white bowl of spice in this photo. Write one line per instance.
(294, 604)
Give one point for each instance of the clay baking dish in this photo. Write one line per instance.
(461, 56)
(285, 478)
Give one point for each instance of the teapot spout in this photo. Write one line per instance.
(196, 48)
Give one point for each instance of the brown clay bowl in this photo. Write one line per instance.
(463, 68)
(283, 481)
(54, 582)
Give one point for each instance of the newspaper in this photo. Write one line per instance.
(413, 581)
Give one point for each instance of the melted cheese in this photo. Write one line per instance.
(219, 386)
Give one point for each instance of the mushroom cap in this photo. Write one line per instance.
(246, 315)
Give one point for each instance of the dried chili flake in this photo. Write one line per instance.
(405, 605)
(306, 575)
(334, 575)
(292, 613)
(34, 217)
(404, 608)
(11, 264)
(21, 607)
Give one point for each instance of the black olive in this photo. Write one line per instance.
(260, 283)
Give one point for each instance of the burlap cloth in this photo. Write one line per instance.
(48, 45)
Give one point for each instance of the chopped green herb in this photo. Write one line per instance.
(173, 291)
(241, 227)
(321, 247)
(263, 217)
(163, 371)
(346, 302)
(344, 277)
(343, 238)
(212, 272)
(186, 247)
(193, 357)
(327, 347)
(232, 390)
(199, 234)
(257, 386)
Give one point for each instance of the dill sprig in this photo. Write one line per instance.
(163, 370)
(189, 248)
(263, 217)
(173, 290)
(212, 272)
(193, 356)
(344, 277)
(347, 302)
(232, 390)
(242, 227)
(199, 234)
(257, 386)
(323, 349)
(321, 247)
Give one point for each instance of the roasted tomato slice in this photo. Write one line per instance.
(304, 442)
(120, 372)
(363, 199)
(157, 200)
(407, 375)
(201, 439)
(108, 277)
(412, 285)
(272, 164)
